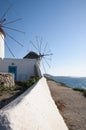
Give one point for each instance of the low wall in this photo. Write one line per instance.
(33, 110)
(7, 79)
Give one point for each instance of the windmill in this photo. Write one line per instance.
(4, 24)
(42, 51)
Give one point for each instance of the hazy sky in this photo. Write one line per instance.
(61, 23)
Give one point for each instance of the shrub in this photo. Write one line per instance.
(84, 93)
(6, 88)
(78, 89)
(81, 90)
(26, 84)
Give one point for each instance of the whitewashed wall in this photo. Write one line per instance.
(1, 45)
(33, 110)
(25, 67)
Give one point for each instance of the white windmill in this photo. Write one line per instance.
(42, 51)
(22, 69)
(2, 37)
(3, 33)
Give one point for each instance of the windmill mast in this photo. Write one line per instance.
(2, 49)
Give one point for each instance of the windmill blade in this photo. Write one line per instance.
(48, 54)
(13, 29)
(13, 21)
(48, 51)
(14, 39)
(46, 61)
(37, 42)
(43, 66)
(41, 41)
(34, 46)
(48, 58)
(45, 47)
(3, 16)
(8, 47)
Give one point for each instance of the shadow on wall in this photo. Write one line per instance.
(5, 122)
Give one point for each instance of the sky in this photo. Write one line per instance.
(61, 23)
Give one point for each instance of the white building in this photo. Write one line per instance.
(22, 69)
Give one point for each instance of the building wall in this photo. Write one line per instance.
(33, 110)
(1, 45)
(25, 67)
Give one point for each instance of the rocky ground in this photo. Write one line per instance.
(72, 105)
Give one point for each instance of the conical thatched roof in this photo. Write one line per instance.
(31, 55)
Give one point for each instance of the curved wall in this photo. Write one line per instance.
(33, 110)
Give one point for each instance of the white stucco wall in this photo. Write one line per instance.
(25, 67)
(33, 110)
(1, 45)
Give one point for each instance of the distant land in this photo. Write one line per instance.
(73, 82)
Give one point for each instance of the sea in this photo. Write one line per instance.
(73, 82)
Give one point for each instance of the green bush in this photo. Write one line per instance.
(84, 93)
(6, 88)
(81, 90)
(32, 80)
(78, 89)
(26, 84)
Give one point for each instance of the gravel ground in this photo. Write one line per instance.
(72, 105)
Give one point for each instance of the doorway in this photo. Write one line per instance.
(13, 70)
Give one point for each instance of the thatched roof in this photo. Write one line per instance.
(31, 55)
